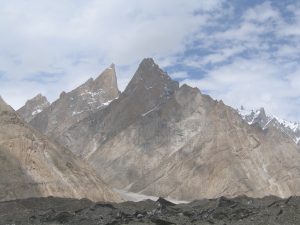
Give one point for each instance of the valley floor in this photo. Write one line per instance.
(240, 210)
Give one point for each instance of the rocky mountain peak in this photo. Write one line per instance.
(149, 88)
(268, 121)
(150, 77)
(262, 111)
(107, 81)
(161, 140)
(33, 106)
(38, 98)
(71, 107)
(254, 116)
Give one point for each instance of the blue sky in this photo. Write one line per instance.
(243, 52)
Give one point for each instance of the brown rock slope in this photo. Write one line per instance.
(32, 166)
(162, 140)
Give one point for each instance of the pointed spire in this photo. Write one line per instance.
(41, 99)
(148, 76)
(262, 112)
(107, 81)
(112, 66)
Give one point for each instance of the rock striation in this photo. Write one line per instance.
(159, 139)
(33, 166)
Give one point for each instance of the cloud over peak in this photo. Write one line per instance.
(243, 52)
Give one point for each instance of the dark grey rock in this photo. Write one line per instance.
(239, 211)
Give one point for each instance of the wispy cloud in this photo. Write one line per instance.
(78, 39)
(244, 52)
(253, 61)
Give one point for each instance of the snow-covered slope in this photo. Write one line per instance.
(266, 120)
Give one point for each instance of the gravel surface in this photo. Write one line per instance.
(222, 211)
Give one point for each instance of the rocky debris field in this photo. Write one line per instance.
(222, 211)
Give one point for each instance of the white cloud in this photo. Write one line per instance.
(219, 56)
(251, 59)
(179, 75)
(262, 13)
(254, 83)
(253, 62)
(78, 39)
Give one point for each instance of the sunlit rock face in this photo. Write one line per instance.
(33, 166)
(160, 139)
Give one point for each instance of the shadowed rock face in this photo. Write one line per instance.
(237, 211)
(32, 166)
(33, 107)
(73, 106)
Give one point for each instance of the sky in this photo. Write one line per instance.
(243, 52)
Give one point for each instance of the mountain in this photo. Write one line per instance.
(32, 166)
(149, 88)
(259, 116)
(160, 139)
(73, 106)
(33, 107)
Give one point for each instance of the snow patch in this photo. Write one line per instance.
(94, 148)
(148, 88)
(266, 126)
(92, 94)
(76, 113)
(292, 129)
(151, 110)
(36, 111)
(292, 125)
(136, 197)
(107, 103)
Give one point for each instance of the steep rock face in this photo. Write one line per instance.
(149, 88)
(162, 140)
(32, 166)
(292, 129)
(33, 107)
(73, 106)
(195, 147)
(224, 157)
